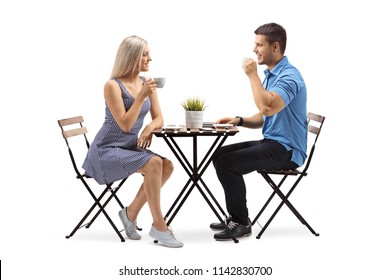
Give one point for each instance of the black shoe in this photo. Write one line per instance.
(238, 230)
(221, 226)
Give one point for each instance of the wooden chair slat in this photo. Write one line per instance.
(315, 117)
(69, 121)
(74, 132)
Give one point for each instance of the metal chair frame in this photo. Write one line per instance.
(266, 173)
(109, 189)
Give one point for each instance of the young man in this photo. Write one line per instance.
(281, 100)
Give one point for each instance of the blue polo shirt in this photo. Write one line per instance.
(289, 126)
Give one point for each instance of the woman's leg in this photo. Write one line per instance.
(156, 172)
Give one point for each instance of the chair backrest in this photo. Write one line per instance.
(72, 127)
(314, 122)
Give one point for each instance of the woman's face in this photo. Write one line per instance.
(145, 59)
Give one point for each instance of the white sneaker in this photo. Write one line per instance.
(167, 238)
(130, 227)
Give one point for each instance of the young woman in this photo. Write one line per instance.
(118, 149)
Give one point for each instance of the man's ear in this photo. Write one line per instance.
(275, 47)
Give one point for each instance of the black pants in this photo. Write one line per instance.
(233, 161)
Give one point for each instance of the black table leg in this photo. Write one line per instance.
(195, 173)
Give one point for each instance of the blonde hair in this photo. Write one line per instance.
(128, 57)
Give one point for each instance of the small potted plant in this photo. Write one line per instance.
(194, 108)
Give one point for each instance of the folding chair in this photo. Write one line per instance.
(67, 132)
(315, 123)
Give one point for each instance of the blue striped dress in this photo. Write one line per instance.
(114, 154)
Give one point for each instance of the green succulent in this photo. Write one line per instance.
(194, 104)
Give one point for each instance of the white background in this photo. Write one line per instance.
(55, 58)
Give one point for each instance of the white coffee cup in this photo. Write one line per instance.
(243, 60)
(160, 82)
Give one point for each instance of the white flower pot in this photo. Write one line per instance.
(194, 119)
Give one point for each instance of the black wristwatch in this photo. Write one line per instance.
(241, 121)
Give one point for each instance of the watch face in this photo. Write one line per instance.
(241, 120)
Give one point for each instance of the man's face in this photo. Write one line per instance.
(263, 50)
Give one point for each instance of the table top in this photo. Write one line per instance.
(183, 131)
